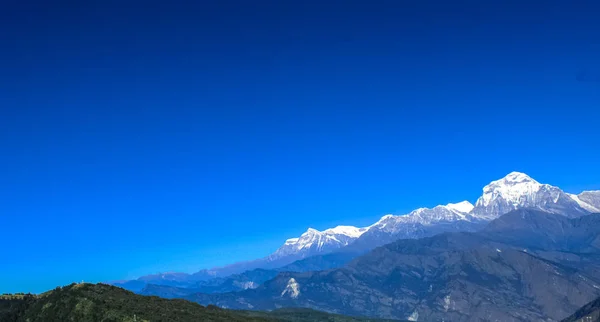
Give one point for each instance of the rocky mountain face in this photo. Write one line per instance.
(247, 280)
(515, 191)
(294, 255)
(527, 265)
(423, 222)
(314, 242)
(590, 200)
(236, 282)
(588, 313)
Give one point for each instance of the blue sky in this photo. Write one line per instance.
(149, 137)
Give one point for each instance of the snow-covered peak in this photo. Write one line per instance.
(463, 207)
(518, 190)
(511, 189)
(591, 198)
(345, 231)
(291, 241)
(349, 231)
(517, 177)
(425, 216)
(589, 203)
(386, 217)
(314, 241)
(309, 232)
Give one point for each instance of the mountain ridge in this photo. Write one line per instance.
(460, 276)
(514, 191)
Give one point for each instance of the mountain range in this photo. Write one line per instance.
(527, 265)
(308, 251)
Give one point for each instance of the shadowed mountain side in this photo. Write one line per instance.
(588, 313)
(499, 274)
(308, 251)
(249, 279)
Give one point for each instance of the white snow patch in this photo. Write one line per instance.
(246, 285)
(414, 316)
(291, 241)
(349, 231)
(511, 188)
(464, 206)
(583, 204)
(515, 190)
(446, 303)
(292, 288)
(333, 237)
(310, 231)
(386, 217)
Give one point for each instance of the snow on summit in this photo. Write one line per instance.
(511, 188)
(349, 231)
(464, 207)
(515, 190)
(314, 241)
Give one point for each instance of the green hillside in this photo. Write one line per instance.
(105, 303)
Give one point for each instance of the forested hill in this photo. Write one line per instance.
(101, 302)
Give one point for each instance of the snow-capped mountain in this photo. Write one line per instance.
(424, 216)
(518, 190)
(419, 223)
(514, 191)
(318, 242)
(588, 200)
(314, 242)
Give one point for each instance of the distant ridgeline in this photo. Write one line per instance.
(334, 247)
(12, 306)
(101, 302)
(527, 265)
(525, 251)
(16, 296)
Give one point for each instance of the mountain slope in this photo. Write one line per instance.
(588, 313)
(499, 274)
(249, 279)
(314, 242)
(100, 302)
(590, 199)
(419, 223)
(88, 302)
(518, 190)
(236, 282)
(514, 191)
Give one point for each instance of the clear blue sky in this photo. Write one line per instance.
(149, 137)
